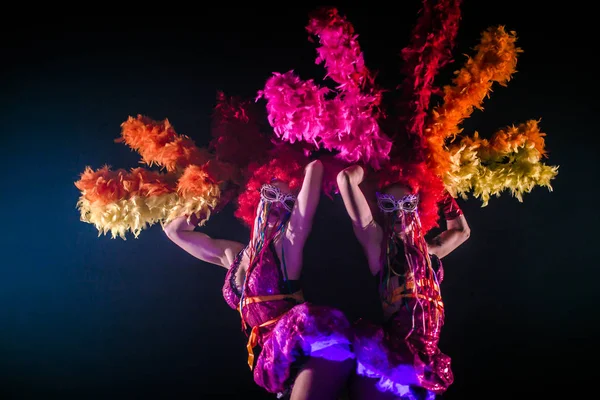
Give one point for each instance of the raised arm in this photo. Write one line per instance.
(367, 231)
(306, 202)
(301, 219)
(457, 230)
(354, 199)
(200, 245)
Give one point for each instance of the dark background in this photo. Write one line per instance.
(88, 317)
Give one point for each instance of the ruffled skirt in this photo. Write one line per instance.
(304, 331)
(412, 368)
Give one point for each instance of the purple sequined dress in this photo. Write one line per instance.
(301, 331)
(403, 354)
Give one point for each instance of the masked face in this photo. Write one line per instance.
(281, 201)
(395, 201)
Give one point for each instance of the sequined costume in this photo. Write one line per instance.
(402, 362)
(403, 353)
(287, 329)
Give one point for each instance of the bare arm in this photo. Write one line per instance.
(356, 204)
(301, 219)
(457, 233)
(367, 231)
(200, 245)
(307, 201)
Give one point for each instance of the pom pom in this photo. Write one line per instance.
(198, 195)
(510, 160)
(237, 137)
(495, 61)
(298, 111)
(346, 123)
(121, 201)
(339, 50)
(158, 143)
(295, 107)
(127, 215)
(105, 186)
(430, 49)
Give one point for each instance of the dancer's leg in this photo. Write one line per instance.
(322, 379)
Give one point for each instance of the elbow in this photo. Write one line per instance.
(180, 224)
(465, 233)
(352, 175)
(170, 231)
(343, 179)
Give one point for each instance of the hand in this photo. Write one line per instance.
(180, 224)
(194, 219)
(354, 175)
(313, 164)
(228, 193)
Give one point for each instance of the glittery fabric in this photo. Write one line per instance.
(450, 208)
(403, 353)
(303, 330)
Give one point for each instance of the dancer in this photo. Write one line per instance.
(305, 349)
(401, 358)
